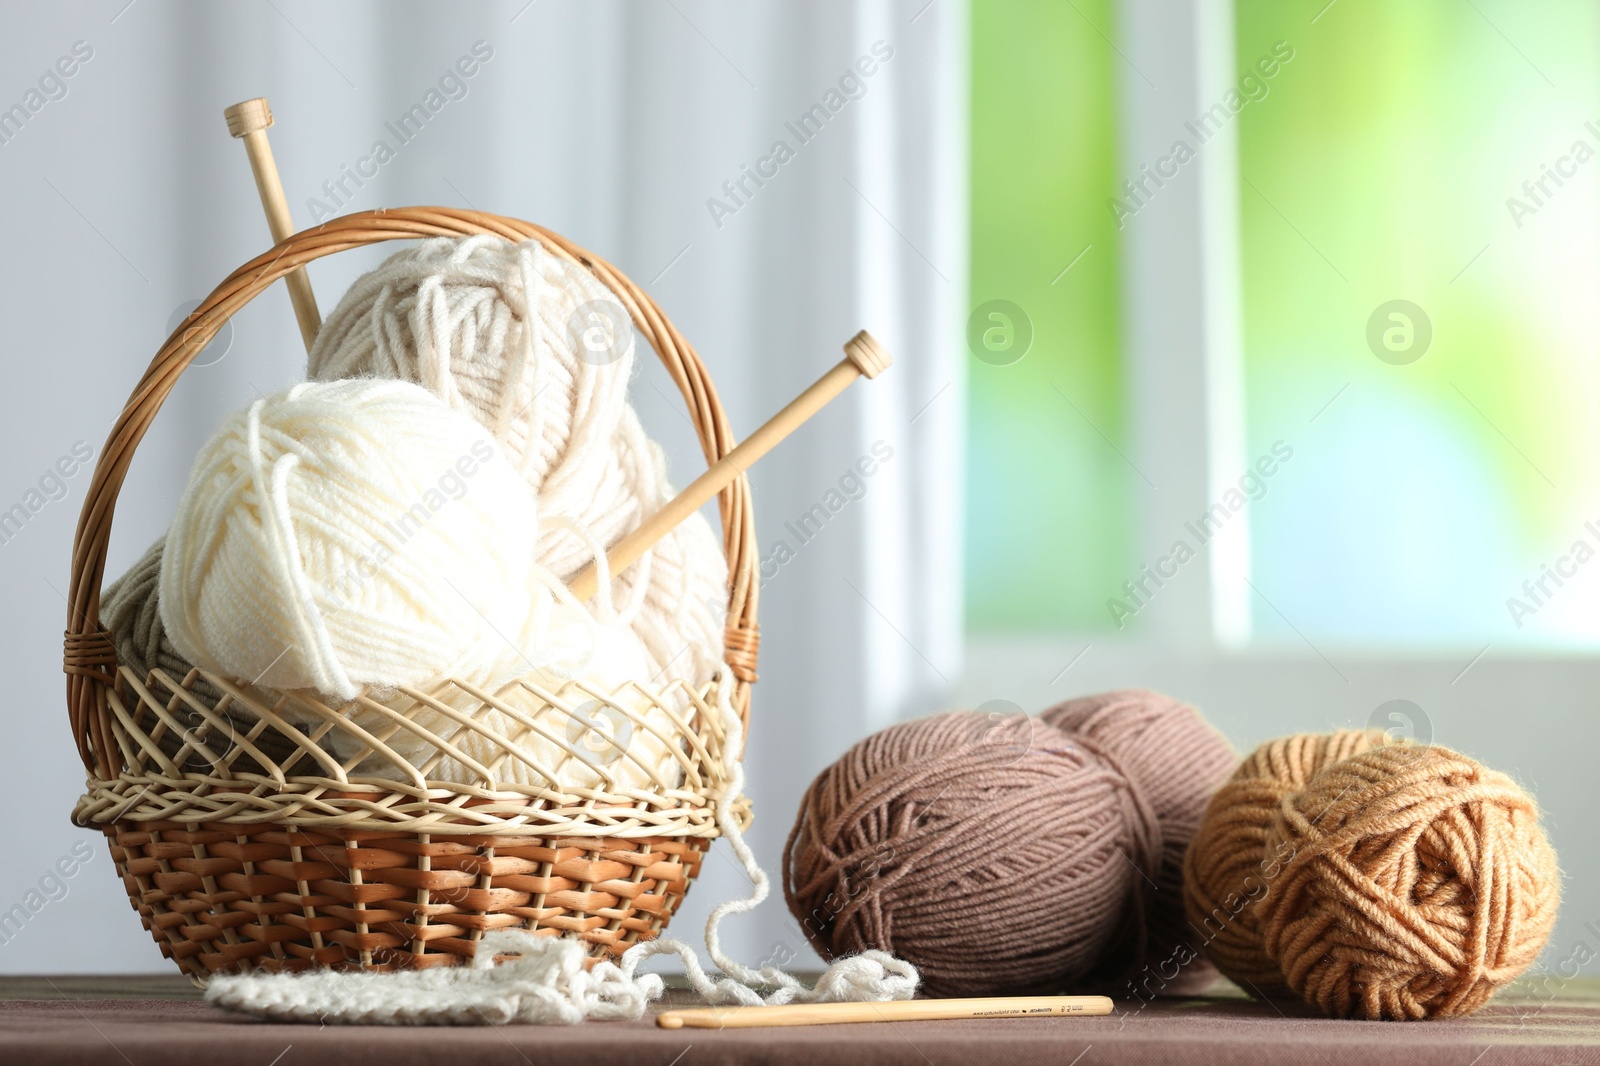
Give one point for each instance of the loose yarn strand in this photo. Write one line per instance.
(525, 358)
(870, 977)
(548, 985)
(271, 486)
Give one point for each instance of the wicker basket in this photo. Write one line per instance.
(255, 835)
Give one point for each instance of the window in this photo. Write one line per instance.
(1380, 254)
(1048, 499)
(1438, 154)
(1405, 233)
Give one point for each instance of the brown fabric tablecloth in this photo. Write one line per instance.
(160, 1021)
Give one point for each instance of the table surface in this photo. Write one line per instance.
(161, 1021)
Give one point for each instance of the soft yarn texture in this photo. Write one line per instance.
(548, 983)
(453, 315)
(1007, 856)
(345, 534)
(547, 373)
(1176, 760)
(1373, 878)
(1227, 866)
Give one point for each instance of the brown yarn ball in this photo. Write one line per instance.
(1005, 857)
(1401, 881)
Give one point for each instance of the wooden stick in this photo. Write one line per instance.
(248, 121)
(914, 1010)
(864, 357)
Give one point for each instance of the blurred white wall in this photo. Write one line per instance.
(126, 200)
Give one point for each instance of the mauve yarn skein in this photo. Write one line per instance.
(1178, 761)
(1402, 881)
(932, 839)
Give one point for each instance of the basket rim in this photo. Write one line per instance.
(321, 785)
(90, 658)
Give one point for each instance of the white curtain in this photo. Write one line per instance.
(865, 226)
(616, 124)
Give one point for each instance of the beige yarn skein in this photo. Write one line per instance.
(1372, 877)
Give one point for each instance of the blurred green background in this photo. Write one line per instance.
(1047, 502)
(1377, 167)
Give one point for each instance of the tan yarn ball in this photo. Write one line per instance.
(1227, 866)
(1379, 879)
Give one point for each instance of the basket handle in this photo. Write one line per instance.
(90, 657)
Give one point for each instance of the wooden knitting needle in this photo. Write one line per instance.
(914, 1010)
(248, 121)
(864, 357)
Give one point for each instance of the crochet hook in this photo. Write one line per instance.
(248, 121)
(914, 1010)
(864, 357)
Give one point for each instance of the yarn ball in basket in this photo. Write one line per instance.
(539, 351)
(1382, 879)
(130, 609)
(346, 534)
(1004, 857)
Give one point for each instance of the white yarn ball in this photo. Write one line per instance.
(453, 314)
(346, 534)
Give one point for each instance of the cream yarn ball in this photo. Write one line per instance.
(348, 534)
(452, 315)
(540, 352)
